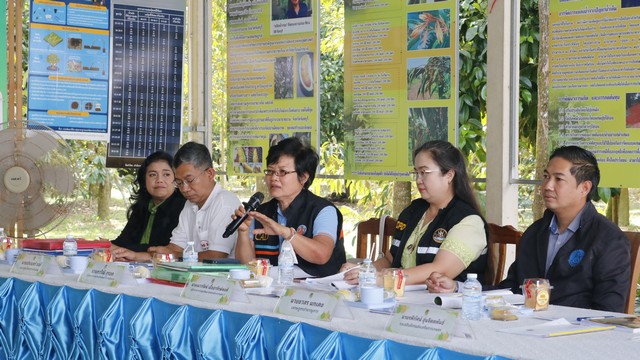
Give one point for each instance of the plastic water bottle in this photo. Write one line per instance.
(286, 260)
(70, 246)
(367, 274)
(190, 255)
(472, 298)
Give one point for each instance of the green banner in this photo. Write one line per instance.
(273, 56)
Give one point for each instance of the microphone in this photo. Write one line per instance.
(251, 205)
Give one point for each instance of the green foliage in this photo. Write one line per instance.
(473, 79)
(473, 82)
(529, 44)
(218, 76)
(332, 71)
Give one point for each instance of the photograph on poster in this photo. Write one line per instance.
(630, 3)
(429, 78)
(633, 110)
(283, 77)
(291, 16)
(274, 139)
(305, 74)
(428, 30)
(247, 159)
(415, 2)
(304, 137)
(290, 9)
(427, 123)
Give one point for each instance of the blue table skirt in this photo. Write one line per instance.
(40, 321)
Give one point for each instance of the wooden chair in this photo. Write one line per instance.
(499, 239)
(634, 241)
(368, 236)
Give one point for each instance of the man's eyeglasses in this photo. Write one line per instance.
(421, 173)
(179, 183)
(278, 173)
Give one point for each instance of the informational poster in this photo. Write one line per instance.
(146, 82)
(3, 61)
(594, 94)
(401, 84)
(273, 56)
(69, 67)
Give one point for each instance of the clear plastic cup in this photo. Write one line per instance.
(394, 281)
(259, 267)
(536, 294)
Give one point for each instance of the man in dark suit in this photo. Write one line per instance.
(583, 254)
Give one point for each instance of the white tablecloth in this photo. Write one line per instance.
(360, 322)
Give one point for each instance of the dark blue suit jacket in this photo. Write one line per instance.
(592, 270)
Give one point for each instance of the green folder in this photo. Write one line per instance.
(200, 267)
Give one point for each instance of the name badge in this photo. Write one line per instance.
(31, 264)
(213, 289)
(395, 242)
(423, 322)
(103, 273)
(307, 304)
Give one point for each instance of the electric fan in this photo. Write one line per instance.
(36, 188)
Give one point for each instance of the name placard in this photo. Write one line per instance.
(31, 264)
(307, 304)
(102, 273)
(215, 289)
(423, 322)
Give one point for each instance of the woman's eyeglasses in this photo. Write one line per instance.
(278, 173)
(421, 173)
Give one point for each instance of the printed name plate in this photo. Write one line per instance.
(307, 304)
(214, 289)
(103, 273)
(31, 264)
(423, 322)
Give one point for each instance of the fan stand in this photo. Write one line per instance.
(15, 181)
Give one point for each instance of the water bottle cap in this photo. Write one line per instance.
(472, 276)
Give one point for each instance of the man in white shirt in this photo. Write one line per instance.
(207, 211)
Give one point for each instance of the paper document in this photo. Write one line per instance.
(559, 327)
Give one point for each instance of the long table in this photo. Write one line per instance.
(57, 317)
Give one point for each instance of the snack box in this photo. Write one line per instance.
(56, 244)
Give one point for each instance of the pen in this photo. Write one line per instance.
(593, 317)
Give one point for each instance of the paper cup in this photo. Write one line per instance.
(240, 274)
(77, 264)
(12, 254)
(372, 295)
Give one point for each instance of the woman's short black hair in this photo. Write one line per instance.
(140, 197)
(305, 158)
